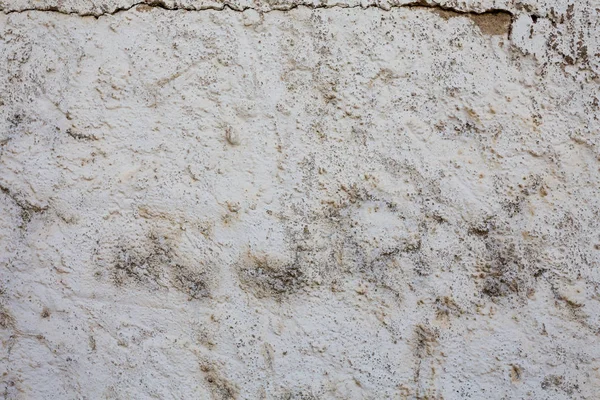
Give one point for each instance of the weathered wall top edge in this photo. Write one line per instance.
(97, 8)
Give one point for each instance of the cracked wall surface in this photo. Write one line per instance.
(299, 200)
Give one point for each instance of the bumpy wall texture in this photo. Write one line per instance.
(300, 200)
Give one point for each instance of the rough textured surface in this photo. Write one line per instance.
(320, 203)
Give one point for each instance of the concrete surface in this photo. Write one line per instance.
(299, 200)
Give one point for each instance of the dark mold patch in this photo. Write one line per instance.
(220, 388)
(28, 208)
(446, 307)
(516, 373)
(500, 270)
(508, 267)
(426, 340)
(299, 395)
(78, 135)
(558, 383)
(145, 269)
(155, 265)
(45, 313)
(482, 228)
(269, 277)
(7, 321)
(190, 282)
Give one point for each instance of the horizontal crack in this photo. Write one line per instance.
(276, 7)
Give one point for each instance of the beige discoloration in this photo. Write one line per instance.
(489, 23)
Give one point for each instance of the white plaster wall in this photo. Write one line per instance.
(281, 200)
